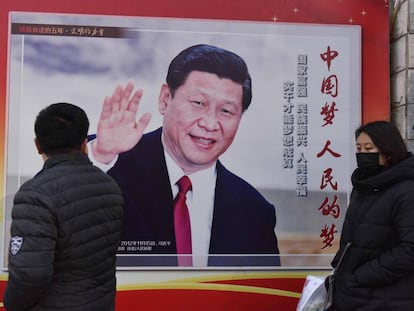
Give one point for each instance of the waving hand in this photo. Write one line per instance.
(118, 130)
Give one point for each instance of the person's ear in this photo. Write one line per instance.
(165, 95)
(39, 149)
(84, 146)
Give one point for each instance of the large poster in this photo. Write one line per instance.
(294, 143)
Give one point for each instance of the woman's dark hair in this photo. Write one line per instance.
(61, 128)
(387, 138)
(211, 59)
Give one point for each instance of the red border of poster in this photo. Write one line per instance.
(372, 15)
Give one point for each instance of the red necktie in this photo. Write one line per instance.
(182, 223)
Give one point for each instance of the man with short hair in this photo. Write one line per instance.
(66, 223)
(207, 90)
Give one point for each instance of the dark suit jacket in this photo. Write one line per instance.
(243, 221)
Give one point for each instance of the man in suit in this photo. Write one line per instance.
(207, 90)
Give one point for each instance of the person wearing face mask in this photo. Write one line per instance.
(374, 266)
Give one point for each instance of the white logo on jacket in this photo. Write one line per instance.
(15, 244)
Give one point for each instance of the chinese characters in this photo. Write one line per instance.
(330, 207)
(67, 30)
(298, 122)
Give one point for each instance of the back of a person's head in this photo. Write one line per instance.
(61, 128)
(387, 138)
(211, 59)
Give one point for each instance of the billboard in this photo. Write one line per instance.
(294, 143)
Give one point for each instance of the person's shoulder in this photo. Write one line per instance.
(237, 184)
(144, 154)
(153, 134)
(225, 173)
(151, 137)
(148, 144)
(30, 184)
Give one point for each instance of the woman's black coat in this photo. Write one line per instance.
(377, 272)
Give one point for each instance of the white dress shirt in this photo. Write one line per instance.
(200, 203)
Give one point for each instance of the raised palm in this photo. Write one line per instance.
(118, 130)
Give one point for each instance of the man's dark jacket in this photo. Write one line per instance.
(243, 221)
(66, 226)
(377, 272)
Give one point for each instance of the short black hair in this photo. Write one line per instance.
(387, 138)
(211, 59)
(61, 128)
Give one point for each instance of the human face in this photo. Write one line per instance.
(200, 120)
(364, 144)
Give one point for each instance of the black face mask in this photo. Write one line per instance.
(367, 159)
(368, 163)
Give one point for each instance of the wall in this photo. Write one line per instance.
(402, 68)
(246, 289)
